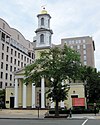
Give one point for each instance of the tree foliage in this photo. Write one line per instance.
(55, 65)
(91, 78)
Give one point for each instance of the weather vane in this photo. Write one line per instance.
(43, 7)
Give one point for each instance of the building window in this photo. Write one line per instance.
(84, 57)
(15, 61)
(6, 84)
(30, 61)
(29, 53)
(71, 47)
(84, 51)
(25, 58)
(1, 65)
(1, 75)
(41, 38)
(10, 84)
(24, 64)
(6, 77)
(78, 46)
(42, 21)
(14, 68)
(84, 46)
(3, 37)
(11, 59)
(32, 55)
(0, 84)
(2, 56)
(18, 63)
(15, 53)
(22, 57)
(11, 51)
(84, 41)
(18, 55)
(6, 57)
(74, 96)
(85, 63)
(49, 39)
(10, 77)
(7, 49)
(6, 66)
(79, 41)
(2, 46)
(48, 23)
(10, 68)
(21, 64)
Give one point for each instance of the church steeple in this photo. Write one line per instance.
(43, 32)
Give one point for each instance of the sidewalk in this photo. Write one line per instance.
(34, 114)
(85, 116)
(22, 114)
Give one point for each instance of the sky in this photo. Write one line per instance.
(70, 18)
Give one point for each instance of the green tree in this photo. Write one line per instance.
(91, 78)
(2, 98)
(56, 65)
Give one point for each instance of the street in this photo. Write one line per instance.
(50, 122)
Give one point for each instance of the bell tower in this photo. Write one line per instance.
(43, 32)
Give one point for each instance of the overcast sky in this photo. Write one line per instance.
(70, 18)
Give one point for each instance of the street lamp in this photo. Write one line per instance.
(86, 92)
(38, 102)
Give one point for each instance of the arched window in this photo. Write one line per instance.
(42, 21)
(49, 39)
(41, 38)
(48, 23)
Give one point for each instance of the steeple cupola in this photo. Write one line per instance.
(43, 32)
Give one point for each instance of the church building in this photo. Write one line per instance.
(30, 96)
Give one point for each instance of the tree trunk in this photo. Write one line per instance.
(56, 109)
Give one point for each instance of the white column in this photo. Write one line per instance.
(42, 93)
(33, 95)
(16, 94)
(52, 103)
(0, 35)
(24, 95)
(62, 102)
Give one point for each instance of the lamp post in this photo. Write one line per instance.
(38, 110)
(38, 102)
(86, 93)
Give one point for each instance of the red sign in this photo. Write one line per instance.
(78, 101)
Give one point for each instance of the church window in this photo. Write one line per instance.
(49, 39)
(48, 23)
(41, 38)
(42, 21)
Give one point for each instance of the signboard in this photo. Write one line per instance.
(78, 101)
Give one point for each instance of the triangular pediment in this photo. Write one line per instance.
(19, 72)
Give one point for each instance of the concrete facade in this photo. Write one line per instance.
(15, 53)
(85, 46)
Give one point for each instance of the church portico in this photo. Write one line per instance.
(26, 96)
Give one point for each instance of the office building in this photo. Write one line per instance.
(85, 46)
(15, 53)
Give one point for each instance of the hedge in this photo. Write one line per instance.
(74, 111)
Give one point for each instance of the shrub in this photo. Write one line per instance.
(74, 111)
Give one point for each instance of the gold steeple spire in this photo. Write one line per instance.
(43, 10)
